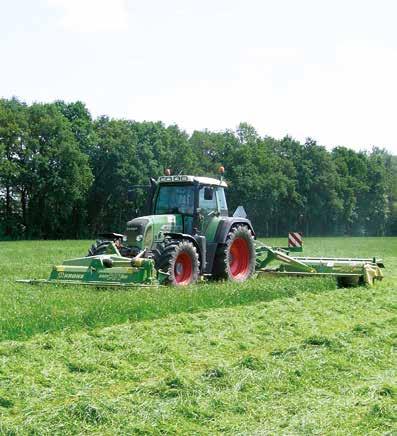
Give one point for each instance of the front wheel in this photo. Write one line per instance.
(181, 261)
(98, 248)
(235, 260)
(101, 247)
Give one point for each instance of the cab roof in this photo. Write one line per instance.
(191, 179)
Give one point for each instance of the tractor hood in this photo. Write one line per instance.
(144, 231)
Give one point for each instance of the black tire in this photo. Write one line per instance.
(180, 260)
(98, 248)
(101, 246)
(235, 260)
(348, 281)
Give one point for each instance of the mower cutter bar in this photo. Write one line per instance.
(92, 283)
(340, 260)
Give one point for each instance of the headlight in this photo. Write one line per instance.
(139, 238)
(148, 237)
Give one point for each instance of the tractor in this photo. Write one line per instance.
(189, 233)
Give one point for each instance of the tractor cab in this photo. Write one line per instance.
(181, 204)
(195, 201)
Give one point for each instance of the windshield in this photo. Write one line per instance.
(175, 199)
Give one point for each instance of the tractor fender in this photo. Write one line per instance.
(226, 224)
(198, 241)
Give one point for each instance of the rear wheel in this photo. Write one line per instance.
(180, 260)
(235, 260)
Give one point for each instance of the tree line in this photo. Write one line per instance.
(64, 174)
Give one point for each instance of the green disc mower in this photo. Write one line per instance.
(189, 236)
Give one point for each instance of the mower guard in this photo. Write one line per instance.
(347, 271)
(109, 269)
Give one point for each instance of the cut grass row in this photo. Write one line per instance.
(309, 364)
(45, 309)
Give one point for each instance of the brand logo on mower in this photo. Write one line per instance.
(70, 275)
(114, 276)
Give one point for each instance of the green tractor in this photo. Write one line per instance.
(189, 233)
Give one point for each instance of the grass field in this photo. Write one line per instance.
(271, 356)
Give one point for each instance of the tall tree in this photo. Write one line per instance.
(13, 133)
(58, 175)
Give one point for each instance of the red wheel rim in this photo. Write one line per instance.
(239, 258)
(183, 269)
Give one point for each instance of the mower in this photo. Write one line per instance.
(190, 236)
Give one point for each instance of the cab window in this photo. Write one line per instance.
(220, 193)
(207, 199)
(175, 199)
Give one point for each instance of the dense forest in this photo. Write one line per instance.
(64, 174)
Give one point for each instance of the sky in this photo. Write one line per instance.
(325, 69)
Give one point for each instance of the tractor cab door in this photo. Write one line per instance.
(209, 211)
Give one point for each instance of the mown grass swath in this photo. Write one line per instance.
(269, 357)
(46, 310)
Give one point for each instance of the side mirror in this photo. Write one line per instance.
(208, 194)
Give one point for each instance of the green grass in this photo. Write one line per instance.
(272, 356)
